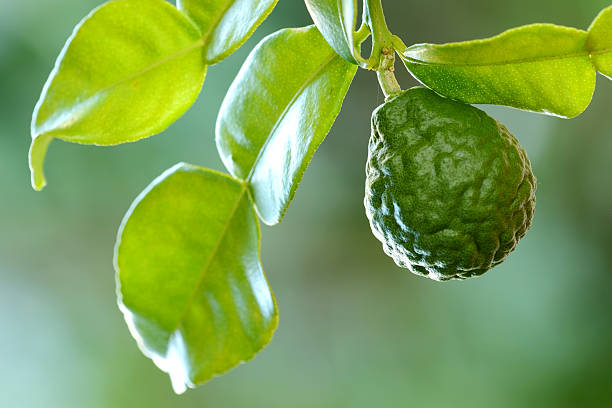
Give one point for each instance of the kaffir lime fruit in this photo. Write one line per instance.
(449, 191)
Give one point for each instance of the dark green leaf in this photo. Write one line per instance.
(190, 281)
(277, 112)
(599, 42)
(131, 68)
(336, 19)
(226, 24)
(540, 67)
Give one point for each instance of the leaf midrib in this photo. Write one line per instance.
(584, 53)
(152, 66)
(202, 42)
(347, 34)
(212, 256)
(307, 82)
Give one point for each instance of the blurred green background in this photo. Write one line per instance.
(355, 330)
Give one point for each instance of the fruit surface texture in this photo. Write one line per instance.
(449, 190)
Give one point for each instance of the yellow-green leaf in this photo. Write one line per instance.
(226, 24)
(277, 112)
(131, 68)
(599, 42)
(190, 280)
(541, 67)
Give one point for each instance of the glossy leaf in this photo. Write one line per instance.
(190, 281)
(277, 112)
(131, 68)
(541, 67)
(336, 19)
(599, 42)
(226, 24)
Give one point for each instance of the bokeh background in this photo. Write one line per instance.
(355, 330)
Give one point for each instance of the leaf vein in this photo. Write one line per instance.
(308, 81)
(509, 62)
(153, 66)
(215, 24)
(202, 42)
(208, 262)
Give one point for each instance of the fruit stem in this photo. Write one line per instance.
(382, 58)
(385, 73)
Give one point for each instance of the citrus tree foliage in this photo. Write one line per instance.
(191, 286)
(190, 279)
(267, 134)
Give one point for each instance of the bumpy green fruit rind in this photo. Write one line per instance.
(449, 191)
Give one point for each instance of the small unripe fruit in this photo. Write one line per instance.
(449, 191)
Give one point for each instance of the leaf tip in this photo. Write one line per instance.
(38, 151)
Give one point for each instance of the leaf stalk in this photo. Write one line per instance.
(385, 73)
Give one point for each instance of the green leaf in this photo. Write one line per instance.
(226, 24)
(541, 67)
(336, 19)
(190, 281)
(130, 69)
(599, 42)
(277, 112)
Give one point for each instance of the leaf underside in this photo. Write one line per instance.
(540, 67)
(190, 281)
(277, 112)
